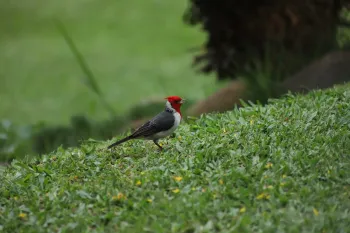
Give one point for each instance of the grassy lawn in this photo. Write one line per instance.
(136, 49)
(279, 168)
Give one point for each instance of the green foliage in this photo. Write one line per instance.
(81, 128)
(283, 167)
(343, 34)
(262, 77)
(14, 140)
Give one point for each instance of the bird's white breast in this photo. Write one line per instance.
(168, 132)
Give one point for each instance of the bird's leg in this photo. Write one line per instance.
(156, 142)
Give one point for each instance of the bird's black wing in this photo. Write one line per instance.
(161, 122)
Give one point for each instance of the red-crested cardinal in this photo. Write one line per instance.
(160, 126)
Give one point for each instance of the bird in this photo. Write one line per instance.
(160, 126)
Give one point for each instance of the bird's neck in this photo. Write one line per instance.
(172, 108)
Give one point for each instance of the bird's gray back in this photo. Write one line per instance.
(161, 122)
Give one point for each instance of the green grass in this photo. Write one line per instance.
(136, 49)
(279, 168)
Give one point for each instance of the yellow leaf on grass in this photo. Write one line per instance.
(120, 196)
(265, 196)
(178, 178)
(22, 215)
(176, 190)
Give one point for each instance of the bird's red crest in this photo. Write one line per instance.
(175, 102)
(173, 98)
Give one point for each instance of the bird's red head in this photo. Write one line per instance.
(175, 102)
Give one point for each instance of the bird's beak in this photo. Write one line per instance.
(182, 101)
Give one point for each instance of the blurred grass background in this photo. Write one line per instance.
(136, 49)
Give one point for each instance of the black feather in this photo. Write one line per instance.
(119, 142)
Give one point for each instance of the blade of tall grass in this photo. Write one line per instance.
(89, 78)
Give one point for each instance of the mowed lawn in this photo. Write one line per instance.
(136, 49)
(283, 167)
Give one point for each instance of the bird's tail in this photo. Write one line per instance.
(119, 142)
